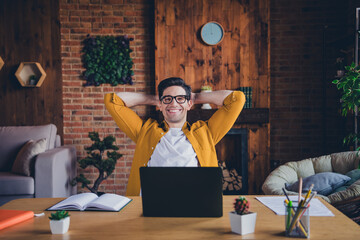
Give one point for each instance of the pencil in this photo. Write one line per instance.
(308, 203)
(312, 196)
(289, 208)
(299, 198)
(308, 193)
(287, 197)
(300, 189)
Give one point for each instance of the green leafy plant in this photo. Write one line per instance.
(58, 215)
(96, 159)
(349, 85)
(241, 205)
(107, 60)
(206, 88)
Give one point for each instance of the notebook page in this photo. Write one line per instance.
(77, 201)
(277, 205)
(109, 201)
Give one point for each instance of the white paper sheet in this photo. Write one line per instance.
(277, 205)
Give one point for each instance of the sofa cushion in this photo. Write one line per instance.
(322, 164)
(324, 183)
(304, 168)
(14, 184)
(345, 161)
(24, 164)
(354, 175)
(13, 138)
(278, 178)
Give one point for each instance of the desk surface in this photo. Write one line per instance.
(130, 224)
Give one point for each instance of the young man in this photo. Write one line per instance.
(174, 142)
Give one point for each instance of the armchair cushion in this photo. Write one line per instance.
(12, 138)
(23, 163)
(324, 183)
(14, 184)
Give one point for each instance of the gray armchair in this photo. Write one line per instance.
(53, 169)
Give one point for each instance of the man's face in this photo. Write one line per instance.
(175, 113)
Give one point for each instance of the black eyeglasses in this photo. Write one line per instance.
(179, 99)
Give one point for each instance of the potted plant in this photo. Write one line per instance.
(105, 166)
(206, 88)
(349, 85)
(32, 80)
(242, 221)
(59, 222)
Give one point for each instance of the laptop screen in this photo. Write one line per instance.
(181, 191)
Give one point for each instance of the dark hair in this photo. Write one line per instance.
(173, 81)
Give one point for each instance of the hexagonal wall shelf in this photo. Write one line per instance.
(30, 74)
(1, 63)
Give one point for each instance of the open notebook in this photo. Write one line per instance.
(91, 202)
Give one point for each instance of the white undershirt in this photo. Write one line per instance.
(173, 150)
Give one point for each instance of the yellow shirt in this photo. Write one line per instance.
(203, 135)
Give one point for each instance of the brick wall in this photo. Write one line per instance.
(304, 116)
(306, 38)
(83, 107)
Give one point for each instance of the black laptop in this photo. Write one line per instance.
(181, 191)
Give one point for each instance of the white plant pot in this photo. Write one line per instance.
(206, 105)
(242, 224)
(60, 226)
(340, 73)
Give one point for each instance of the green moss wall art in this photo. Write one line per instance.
(107, 60)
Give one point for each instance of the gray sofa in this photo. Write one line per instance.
(52, 169)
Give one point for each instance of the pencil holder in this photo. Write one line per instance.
(297, 221)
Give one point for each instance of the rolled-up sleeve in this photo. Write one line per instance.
(126, 119)
(224, 118)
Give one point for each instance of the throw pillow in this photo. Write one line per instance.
(23, 161)
(324, 183)
(354, 175)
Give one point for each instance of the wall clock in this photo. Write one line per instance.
(212, 33)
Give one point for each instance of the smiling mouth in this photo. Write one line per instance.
(173, 110)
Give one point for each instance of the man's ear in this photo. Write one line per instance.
(158, 104)
(190, 104)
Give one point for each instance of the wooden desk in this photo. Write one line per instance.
(130, 224)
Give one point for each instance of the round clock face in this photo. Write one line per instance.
(212, 33)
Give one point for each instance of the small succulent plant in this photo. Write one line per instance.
(58, 215)
(241, 205)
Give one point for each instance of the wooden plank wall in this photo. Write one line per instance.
(240, 60)
(30, 32)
